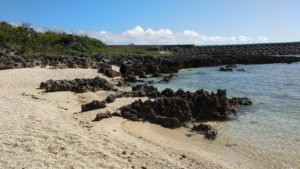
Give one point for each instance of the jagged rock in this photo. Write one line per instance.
(168, 122)
(181, 105)
(77, 85)
(92, 106)
(110, 98)
(129, 116)
(130, 78)
(142, 90)
(107, 70)
(101, 116)
(212, 106)
(208, 131)
(168, 92)
(161, 111)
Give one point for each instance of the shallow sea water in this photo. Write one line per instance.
(268, 131)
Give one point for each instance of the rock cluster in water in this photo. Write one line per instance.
(77, 85)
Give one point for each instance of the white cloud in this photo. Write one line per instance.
(263, 39)
(139, 35)
(245, 39)
(190, 34)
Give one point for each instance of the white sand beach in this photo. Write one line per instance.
(47, 130)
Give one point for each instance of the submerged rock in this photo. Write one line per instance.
(240, 101)
(226, 69)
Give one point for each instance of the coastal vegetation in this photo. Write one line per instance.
(22, 40)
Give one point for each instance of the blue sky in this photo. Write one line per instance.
(163, 21)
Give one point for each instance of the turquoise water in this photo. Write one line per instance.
(268, 131)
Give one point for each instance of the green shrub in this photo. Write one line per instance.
(25, 41)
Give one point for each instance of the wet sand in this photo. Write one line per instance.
(47, 130)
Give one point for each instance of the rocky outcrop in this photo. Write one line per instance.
(98, 104)
(93, 105)
(142, 90)
(101, 116)
(107, 70)
(110, 98)
(76, 85)
(132, 66)
(173, 109)
(207, 130)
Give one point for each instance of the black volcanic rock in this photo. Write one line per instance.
(107, 70)
(208, 131)
(142, 90)
(110, 98)
(183, 56)
(101, 116)
(92, 106)
(168, 92)
(168, 108)
(76, 85)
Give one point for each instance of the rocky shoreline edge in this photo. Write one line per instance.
(168, 108)
(171, 109)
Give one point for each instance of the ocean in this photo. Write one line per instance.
(269, 130)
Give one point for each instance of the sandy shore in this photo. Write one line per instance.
(46, 130)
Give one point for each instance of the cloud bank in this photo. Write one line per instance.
(141, 36)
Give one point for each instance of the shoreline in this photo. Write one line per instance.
(46, 125)
(193, 144)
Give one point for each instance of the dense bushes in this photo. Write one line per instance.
(25, 41)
